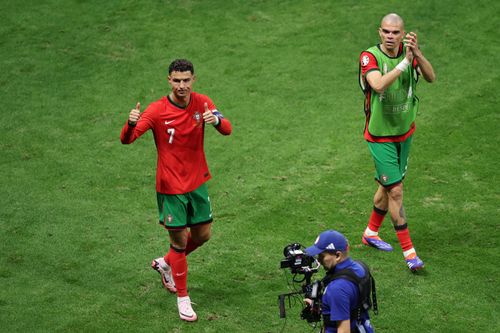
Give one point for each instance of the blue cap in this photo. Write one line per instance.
(329, 240)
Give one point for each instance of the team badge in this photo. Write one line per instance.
(170, 218)
(365, 60)
(197, 119)
(384, 178)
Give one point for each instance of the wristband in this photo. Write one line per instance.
(402, 65)
(217, 122)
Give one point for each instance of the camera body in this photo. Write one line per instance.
(300, 263)
(297, 260)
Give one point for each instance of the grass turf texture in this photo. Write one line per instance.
(78, 214)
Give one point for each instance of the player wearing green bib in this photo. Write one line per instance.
(388, 75)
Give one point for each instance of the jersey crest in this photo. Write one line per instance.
(197, 119)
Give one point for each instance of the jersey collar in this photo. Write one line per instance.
(177, 105)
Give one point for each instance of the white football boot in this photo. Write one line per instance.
(165, 271)
(186, 311)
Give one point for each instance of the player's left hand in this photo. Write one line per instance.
(411, 42)
(209, 117)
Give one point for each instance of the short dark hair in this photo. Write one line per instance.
(181, 65)
(334, 252)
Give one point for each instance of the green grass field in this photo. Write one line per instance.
(78, 216)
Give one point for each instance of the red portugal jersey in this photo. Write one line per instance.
(179, 135)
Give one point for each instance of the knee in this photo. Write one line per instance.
(380, 201)
(396, 192)
(178, 239)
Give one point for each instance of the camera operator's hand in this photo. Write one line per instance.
(309, 302)
(311, 312)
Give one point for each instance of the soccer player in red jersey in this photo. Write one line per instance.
(388, 75)
(178, 124)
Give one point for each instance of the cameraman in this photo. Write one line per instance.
(340, 300)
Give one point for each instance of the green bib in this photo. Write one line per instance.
(393, 111)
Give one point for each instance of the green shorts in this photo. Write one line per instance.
(178, 211)
(391, 160)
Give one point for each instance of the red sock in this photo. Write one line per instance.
(190, 246)
(404, 237)
(176, 259)
(376, 219)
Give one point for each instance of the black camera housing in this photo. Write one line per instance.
(298, 261)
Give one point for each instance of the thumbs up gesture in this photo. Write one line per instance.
(134, 115)
(209, 117)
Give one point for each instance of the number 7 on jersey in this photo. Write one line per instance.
(171, 131)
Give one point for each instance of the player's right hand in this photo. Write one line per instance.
(411, 45)
(134, 114)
